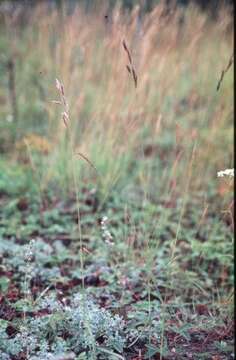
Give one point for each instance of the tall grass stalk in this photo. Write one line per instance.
(67, 122)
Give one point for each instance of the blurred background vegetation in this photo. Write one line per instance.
(178, 54)
(146, 5)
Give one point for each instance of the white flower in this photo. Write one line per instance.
(227, 172)
(105, 232)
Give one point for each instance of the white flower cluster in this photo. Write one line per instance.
(29, 251)
(227, 172)
(105, 232)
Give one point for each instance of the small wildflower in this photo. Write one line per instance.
(29, 253)
(105, 232)
(227, 172)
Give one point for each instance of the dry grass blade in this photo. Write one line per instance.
(42, 294)
(135, 78)
(224, 71)
(88, 161)
(127, 51)
(60, 88)
(130, 67)
(65, 118)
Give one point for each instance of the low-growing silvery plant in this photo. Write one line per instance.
(78, 327)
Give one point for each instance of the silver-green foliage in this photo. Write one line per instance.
(77, 327)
